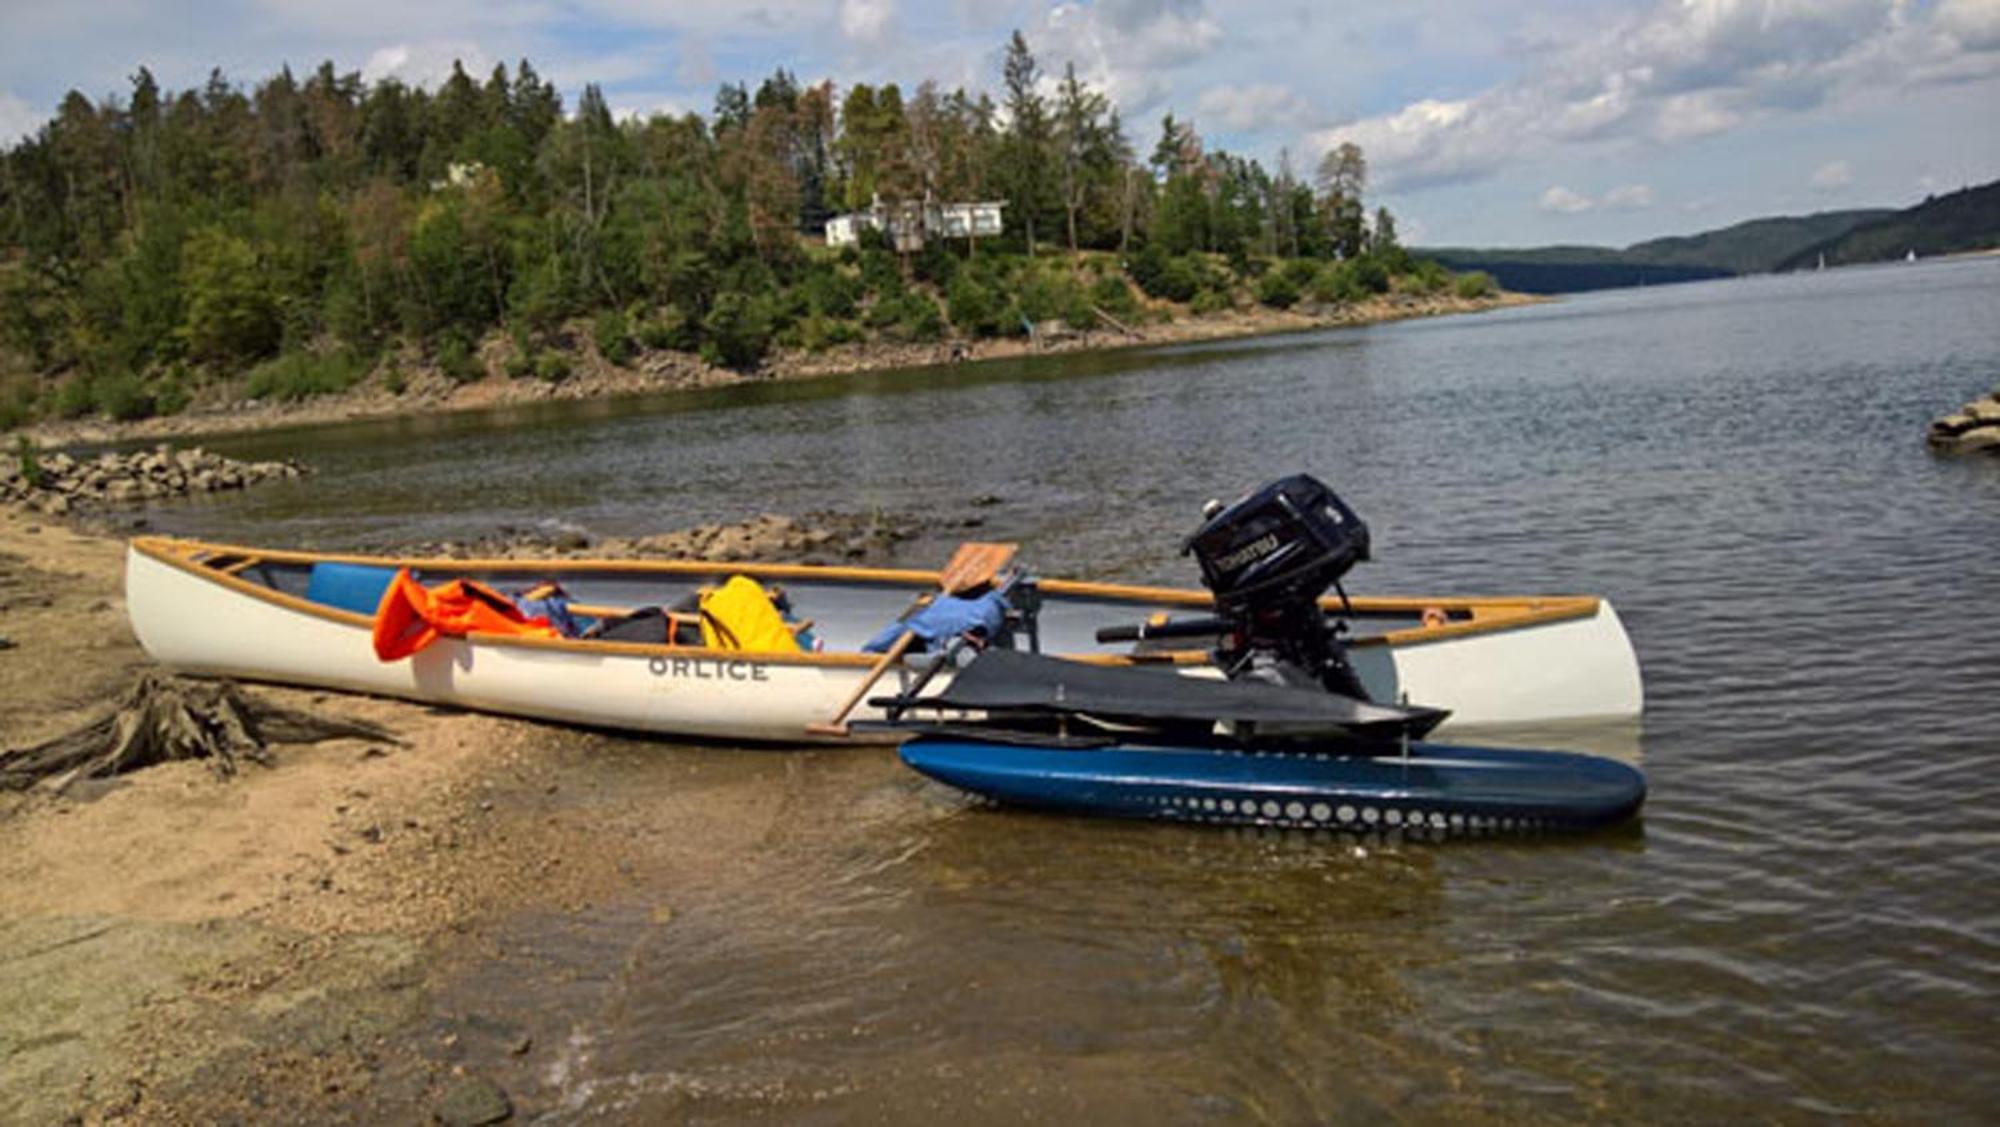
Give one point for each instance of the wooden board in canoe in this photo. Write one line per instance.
(259, 614)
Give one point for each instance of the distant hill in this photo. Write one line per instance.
(1757, 246)
(1968, 219)
(1752, 247)
(1547, 270)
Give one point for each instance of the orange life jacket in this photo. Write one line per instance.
(412, 616)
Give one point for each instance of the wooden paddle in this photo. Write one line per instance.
(975, 564)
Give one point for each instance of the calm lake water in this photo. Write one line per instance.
(1805, 926)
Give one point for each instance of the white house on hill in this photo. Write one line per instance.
(909, 224)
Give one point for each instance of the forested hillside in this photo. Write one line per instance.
(1966, 220)
(303, 233)
(1756, 246)
(1554, 270)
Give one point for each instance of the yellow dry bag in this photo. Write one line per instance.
(739, 616)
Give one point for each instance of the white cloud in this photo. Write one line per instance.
(425, 64)
(1973, 24)
(1125, 47)
(1252, 108)
(1561, 201)
(1629, 197)
(1684, 117)
(865, 21)
(1680, 70)
(18, 119)
(1832, 176)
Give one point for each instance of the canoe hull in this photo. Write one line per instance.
(197, 626)
(1501, 662)
(1436, 789)
(1575, 669)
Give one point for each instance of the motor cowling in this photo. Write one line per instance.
(1267, 559)
(1288, 541)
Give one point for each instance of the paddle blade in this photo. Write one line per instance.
(975, 564)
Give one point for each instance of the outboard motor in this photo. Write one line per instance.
(1267, 559)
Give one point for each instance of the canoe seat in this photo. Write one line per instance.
(350, 587)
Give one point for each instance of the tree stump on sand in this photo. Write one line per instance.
(165, 718)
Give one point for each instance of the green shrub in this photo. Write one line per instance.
(786, 307)
(1369, 273)
(171, 392)
(736, 332)
(1334, 284)
(302, 375)
(552, 366)
(1112, 294)
(613, 334)
(456, 360)
(935, 264)
(842, 332)
(1277, 290)
(16, 408)
(882, 312)
(919, 319)
(29, 456)
(539, 297)
(817, 334)
(73, 399)
(1080, 313)
(1047, 297)
(974, 309)
(1174, 279)
(1011, 322)
(1211, 301)
(1427, 277)
(880, 272)
(831, 293)
(1147, 266)
(395, 382)
(671, 328)
(1475, 284)
(122, 396)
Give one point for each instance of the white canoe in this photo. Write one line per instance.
(227, 611)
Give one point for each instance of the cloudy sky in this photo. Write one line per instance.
(1538, 121)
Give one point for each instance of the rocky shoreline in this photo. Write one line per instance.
(825, 537)
(59, 484)
(420, 388)
(1973, 427)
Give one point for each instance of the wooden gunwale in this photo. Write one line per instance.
(162, 550)
(1487, 614)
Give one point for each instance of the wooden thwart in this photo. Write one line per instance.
(975, 564)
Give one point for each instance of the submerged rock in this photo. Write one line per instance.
(474, 1101)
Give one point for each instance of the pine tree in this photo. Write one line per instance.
(1023, 167)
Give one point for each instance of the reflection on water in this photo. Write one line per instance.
(1804, 929)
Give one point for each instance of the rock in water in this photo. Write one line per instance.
(1973, 427)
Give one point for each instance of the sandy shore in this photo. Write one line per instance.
(175, 947)
(656, 372)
